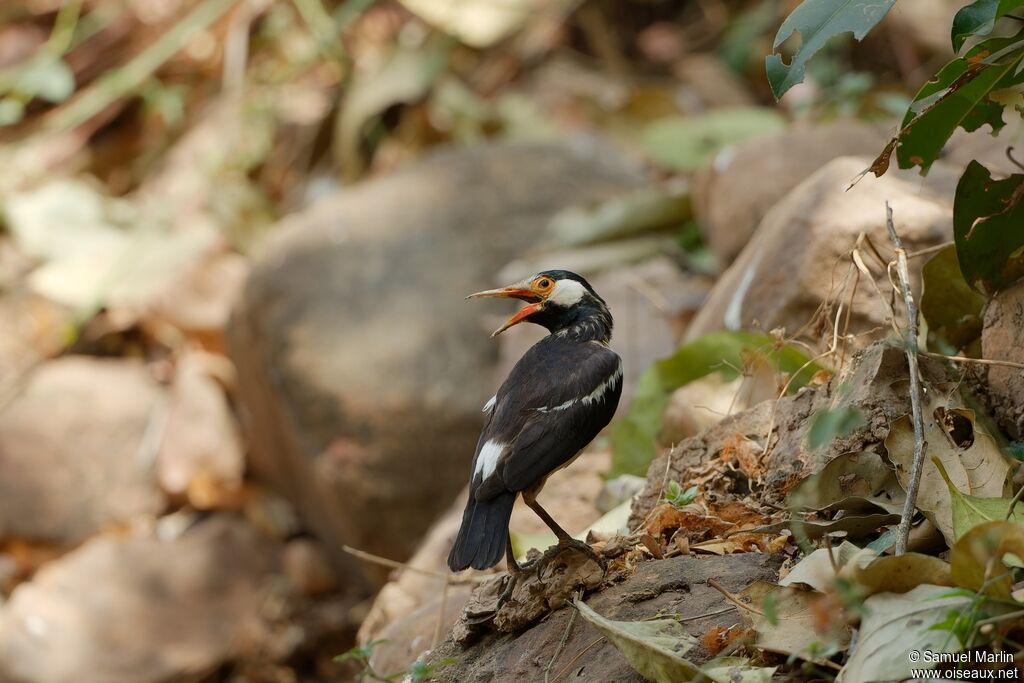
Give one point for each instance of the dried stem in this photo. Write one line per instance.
(561, 643)
(394, 564)
(910, 346)
(732, 598)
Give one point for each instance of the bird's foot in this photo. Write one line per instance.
(576, 544)
(510, 586)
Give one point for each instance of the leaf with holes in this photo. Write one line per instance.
(988, 227)
(957, 97)
(979, 18)
(979, 469)
(817, 22)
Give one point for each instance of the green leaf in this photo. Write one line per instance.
(47, 77)
(11, 111)
(655, 648)
(958, 96)
(688, 143)
(988, 227)
(818, 21)
(970, 511)
(675, 494)
(829, 424)
(953, 310)
(633, 437)
(979, 18)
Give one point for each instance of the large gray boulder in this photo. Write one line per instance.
(362, 371)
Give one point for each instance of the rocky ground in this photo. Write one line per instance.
(240, 388)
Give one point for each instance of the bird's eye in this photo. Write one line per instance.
(544, 284)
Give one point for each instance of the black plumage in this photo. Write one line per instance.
(557, 398)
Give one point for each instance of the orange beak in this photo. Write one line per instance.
(520, 290)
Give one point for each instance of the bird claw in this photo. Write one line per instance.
(581, 546)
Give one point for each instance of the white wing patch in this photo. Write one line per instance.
(490, 404)
(594, 396)
(487, 461)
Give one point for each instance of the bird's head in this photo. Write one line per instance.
(558, 300)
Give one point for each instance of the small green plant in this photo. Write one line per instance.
(419, 671)
(675, 494)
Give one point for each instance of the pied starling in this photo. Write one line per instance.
(559, 395)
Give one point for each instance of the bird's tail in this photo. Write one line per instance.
(481, 540)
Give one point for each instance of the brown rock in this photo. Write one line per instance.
(677, 585)
(361, 368)
(800, 252)
(77, 447)
(1002, 338)
(139, 610)
(745, 180)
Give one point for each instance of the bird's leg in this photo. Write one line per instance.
(564, 539)
(514, 572)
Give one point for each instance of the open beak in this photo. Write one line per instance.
(516, 291)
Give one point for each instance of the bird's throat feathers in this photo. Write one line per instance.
(582, 323)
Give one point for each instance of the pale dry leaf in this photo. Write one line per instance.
(818, 571)
(978, 470)
(794, 628)
(893, 625)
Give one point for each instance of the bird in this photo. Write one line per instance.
(557, 398)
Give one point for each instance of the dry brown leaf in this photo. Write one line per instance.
(858, 481)
(796, 621)
(666, 518)
(745, 454)
(899, 574)
(977, 558)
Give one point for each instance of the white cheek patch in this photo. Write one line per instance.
(567, 293)
(487, 461)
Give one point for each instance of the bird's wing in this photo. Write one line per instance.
(555, 401)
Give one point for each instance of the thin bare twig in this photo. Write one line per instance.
(979, 361)
(565, 638)
(565, 669)
(732, 598)
(394, 564)
(910, 344)
(439, 625)
(1013, 502)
